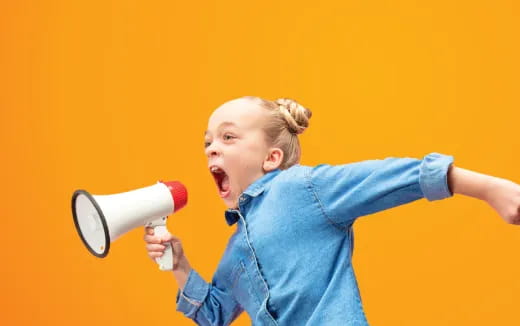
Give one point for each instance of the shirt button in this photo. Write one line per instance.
(242, 198)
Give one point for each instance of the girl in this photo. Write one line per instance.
(289, 260)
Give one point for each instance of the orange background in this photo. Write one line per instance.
(111, 96)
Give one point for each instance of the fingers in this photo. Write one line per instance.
(155, 254)
(169, 238)
(149, 237)
(155, 247)
(155, 250)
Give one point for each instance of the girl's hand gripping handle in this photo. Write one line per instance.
(166, 260)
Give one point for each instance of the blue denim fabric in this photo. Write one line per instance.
(289, 260)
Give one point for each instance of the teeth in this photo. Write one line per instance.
(214, 169)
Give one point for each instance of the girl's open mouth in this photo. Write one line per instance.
(222, 181)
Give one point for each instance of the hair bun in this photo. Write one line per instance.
(296, 116)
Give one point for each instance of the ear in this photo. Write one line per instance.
(273, 159)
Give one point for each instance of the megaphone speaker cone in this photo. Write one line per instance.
(90, 223)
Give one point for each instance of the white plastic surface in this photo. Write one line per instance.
(129, 210)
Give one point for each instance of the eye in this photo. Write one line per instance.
(206, 144)
(228, 137)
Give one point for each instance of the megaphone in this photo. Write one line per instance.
(101, 219)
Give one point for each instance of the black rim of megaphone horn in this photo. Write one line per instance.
(101, 216)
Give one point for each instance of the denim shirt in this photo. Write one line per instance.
(289, 261)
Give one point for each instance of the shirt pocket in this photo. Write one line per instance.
(236, 272)
(242, 289)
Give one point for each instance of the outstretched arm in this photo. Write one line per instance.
(346, 192)
(503, 195)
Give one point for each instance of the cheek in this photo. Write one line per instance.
(252, 163)
(245, 169)
(257, 152)
(246, 161)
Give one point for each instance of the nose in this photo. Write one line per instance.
(212, 150)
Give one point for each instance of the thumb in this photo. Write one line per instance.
(177, 249)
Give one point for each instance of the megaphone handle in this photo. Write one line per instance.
(166, 260)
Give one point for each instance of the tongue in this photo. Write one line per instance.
(225, 184)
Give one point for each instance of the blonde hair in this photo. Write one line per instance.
(286, 120)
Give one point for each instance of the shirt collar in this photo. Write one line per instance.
(253, 190)
(258, 186)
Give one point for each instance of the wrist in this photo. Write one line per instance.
(182, 266)
(181, 271)
(470, 183)
(491, 184)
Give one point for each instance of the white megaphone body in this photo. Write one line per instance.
(101, 219)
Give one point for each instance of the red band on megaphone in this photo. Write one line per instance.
(179, 194)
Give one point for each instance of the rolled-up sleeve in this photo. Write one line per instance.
(205, 303)
(193, 295)
(433, 177)
(348, 191)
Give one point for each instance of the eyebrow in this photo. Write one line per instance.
(223, 124)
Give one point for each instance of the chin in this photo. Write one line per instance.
(230, 203)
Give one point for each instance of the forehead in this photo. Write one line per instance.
(242, 113)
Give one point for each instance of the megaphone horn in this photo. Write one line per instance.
(101, 219)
